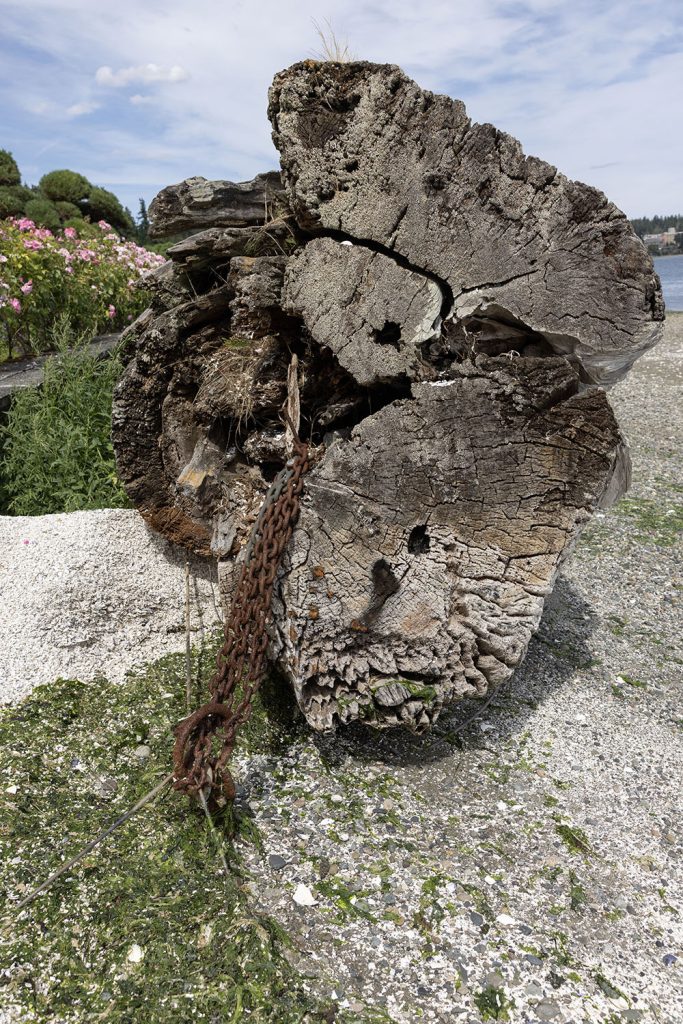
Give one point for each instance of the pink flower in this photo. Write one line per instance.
(70, 233)
(25, 224)
(103, 224)
(3, 259)
(27, 288)
(111, 312)
(16, 305)
(68, 270)
(26, 542)
(32, 243)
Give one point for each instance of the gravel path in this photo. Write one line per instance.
(526, 866)
(88, 594)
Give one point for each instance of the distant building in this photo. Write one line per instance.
(667, 237)
(662, 239)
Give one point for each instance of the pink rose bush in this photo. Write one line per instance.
(45, 275)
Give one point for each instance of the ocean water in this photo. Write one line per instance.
(670, 270)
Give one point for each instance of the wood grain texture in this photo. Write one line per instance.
(451, 306)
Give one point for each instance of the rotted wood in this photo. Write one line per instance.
(197, 203)
(450, 306)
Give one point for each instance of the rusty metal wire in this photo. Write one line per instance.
(198, 768)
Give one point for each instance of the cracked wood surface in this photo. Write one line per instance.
(366, 152)
(418, 570)
(424, 279)
(197, 203)
(372, 313)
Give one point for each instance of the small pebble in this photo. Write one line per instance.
(276, 862)
(303, 896)
(547, 1009)
(105, 788)
(494, 980)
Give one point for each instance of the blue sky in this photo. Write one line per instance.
(136, 95)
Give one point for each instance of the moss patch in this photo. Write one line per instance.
(493, 1004)
(148, 927)
(573, 837)
(238, 344)
(658, 524)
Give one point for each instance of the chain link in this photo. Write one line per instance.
(241, 661)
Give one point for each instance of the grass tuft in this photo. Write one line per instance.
(57, 454)
(331, 48)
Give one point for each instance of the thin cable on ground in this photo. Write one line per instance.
(214, 831)
(95, 842)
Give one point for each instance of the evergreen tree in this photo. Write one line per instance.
(143, 223)
(104, 205)
(65, 186)
(9, 172)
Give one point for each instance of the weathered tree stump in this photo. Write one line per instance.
(454, 307)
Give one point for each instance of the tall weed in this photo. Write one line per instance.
(57, 454)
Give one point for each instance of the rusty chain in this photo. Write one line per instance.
(240, 664)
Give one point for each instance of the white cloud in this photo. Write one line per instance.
(143, 73)
(38, 106)
(138, 100)
(79, 109)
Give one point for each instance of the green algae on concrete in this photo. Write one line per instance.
(655, 522)
(148, 926)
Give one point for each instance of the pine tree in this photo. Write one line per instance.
(143, 223)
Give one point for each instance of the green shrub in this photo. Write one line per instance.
(84, 228)
(13, 199)
(68, 186)
(57, 454)
(9, 171)
(67, 192)
(42, 212)
(103, 205)
(68, 211)
(92, 280)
